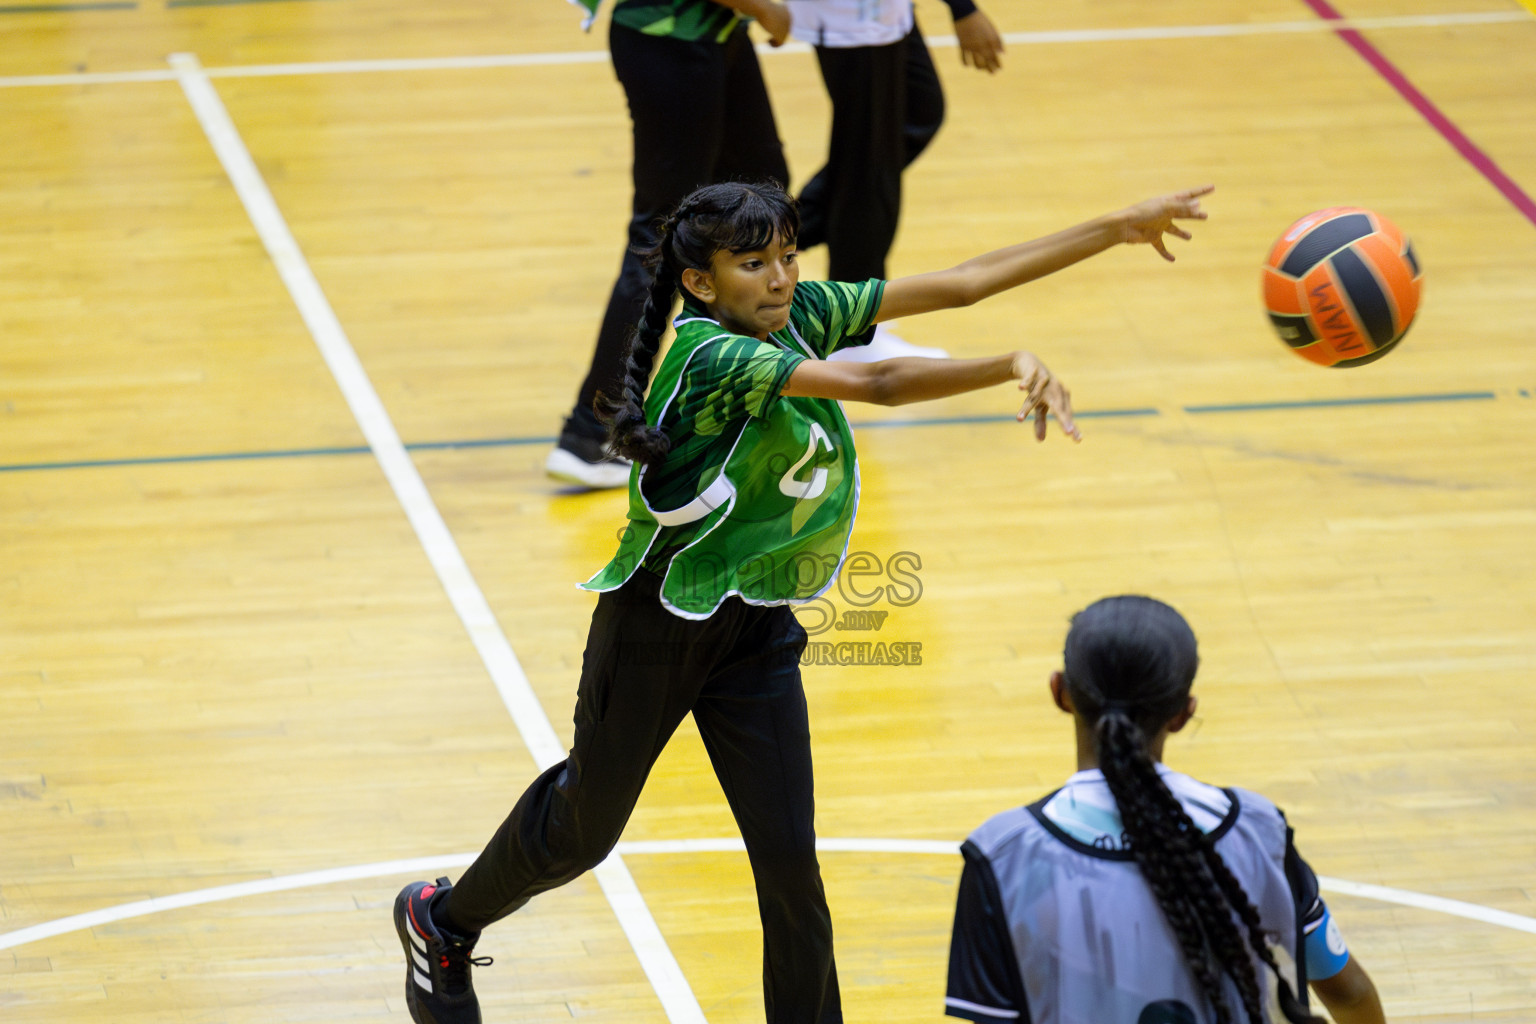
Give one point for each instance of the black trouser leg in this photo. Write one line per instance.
(750, 148)
(752, 719)
(699, 113)
(864, 157)
(644, 668)
(641, 673)
(854, 202)
(925, 99)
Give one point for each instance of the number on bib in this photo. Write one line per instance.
(804, 490)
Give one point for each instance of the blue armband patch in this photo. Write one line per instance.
(1326, 952)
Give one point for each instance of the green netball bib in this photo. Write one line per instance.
(758, 495)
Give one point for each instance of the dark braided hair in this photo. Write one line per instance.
(1130, 662)
(730, 217)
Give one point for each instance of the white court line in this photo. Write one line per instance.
(1408, 898)
(86, 78)
(515, 60)
(442, 551)
(430, 865)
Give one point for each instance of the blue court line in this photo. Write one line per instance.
(226, 3)
(1324, 403)
(279, 453)
(949, 421)
(938, 421)
(110, 5)
(489, 442)
(160, 460)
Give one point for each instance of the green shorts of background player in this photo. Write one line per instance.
(742, 497)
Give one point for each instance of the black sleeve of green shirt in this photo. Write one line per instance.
(984, 983)
(960, 8)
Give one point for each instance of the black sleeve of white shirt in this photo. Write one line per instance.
(1304, 888)
(1310, 907)
(960, 8)
(984, 983)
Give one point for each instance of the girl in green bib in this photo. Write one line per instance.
(742, 499)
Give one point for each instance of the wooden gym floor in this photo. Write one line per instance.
(286, 602)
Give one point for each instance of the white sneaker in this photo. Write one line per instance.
(885, 344)
(568, 467)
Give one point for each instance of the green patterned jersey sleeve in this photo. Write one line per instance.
(680, 19)
(729, 378)
(830, 315)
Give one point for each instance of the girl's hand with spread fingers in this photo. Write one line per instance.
(1150, 220)
(1046, 396)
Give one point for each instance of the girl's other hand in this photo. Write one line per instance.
(1046, 396)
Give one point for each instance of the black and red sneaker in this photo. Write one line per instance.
(438, 988)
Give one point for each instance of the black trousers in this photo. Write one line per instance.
(700, 114)
(644, 668)
(887, 105)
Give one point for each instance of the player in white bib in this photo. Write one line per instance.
(887, 106)
(741, 501)
(1135, 894)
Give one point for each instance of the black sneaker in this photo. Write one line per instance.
(581, 456)
(438, 989)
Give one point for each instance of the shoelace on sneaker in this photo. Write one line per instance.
(456, 961)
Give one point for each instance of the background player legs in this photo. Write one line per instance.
(749, 147)
(860, 201)
(729, 133)
(924, 113)
(887, 106)
(753, 721)
(921, 97)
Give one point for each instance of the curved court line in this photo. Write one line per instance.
(430, 865)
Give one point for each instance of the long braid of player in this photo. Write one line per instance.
(1228, 945)
(1162, 847)
(629, 434)
(1289, 1004)
(1170, 848)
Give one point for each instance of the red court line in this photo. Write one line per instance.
(1442, 124)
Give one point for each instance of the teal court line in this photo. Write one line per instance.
(939, 421)
(129, 5)
(1324, 403)
(172, 4)
(107, 5)
(949, 421)
(160, 460)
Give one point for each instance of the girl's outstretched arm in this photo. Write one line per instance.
(899, 381)
(1002, 269)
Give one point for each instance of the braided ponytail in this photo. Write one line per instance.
(1166, 845)
(1129, 665)
(1290, 1005)
(730, 217)
(629, 435)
